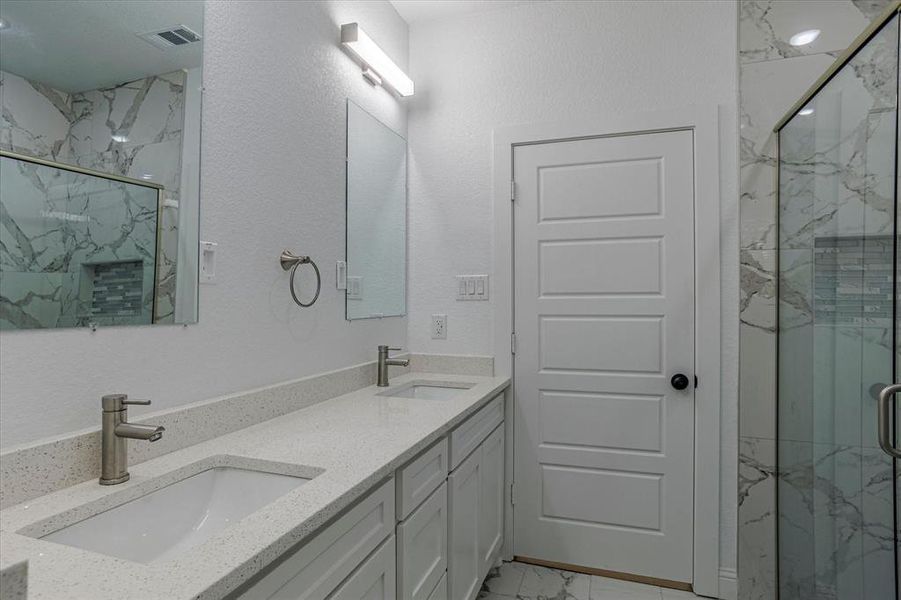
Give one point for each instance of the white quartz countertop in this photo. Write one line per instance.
(359, 439)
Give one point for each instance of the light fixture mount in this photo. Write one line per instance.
(378, 68)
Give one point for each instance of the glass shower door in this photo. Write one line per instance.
(837, 230)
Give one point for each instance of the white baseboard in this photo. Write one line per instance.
(728, 584)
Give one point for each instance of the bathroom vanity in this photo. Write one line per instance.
(399, 493)
(425, 534)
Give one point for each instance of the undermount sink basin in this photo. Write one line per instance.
(428, 391)
(169, 520)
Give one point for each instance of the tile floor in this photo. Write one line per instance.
(514, 580)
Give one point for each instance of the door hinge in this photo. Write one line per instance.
(512, 191)
(512, 489)
(513, 343)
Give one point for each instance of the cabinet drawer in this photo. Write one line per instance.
(375, 579)
(420, 477)
(469, 434)
(440, 591)
(422, 547)
(316, 568)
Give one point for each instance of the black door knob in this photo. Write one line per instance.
(679, 381)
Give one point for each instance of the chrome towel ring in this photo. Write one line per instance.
(289, 262)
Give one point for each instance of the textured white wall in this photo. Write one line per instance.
(272, 177)
(545, 62)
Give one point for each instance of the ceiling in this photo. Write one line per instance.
(415, 11)
(83, 45)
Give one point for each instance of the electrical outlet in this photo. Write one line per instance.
(439, 327)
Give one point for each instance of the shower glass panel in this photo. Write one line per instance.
(76, 248)
(837, 197)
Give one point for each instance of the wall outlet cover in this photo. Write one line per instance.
(341, 274)
(208, 262)
(439, 327)
(355, 288)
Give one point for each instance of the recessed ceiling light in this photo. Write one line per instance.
(120, 138)
(802, 38)
(4, 24)
(805, 111)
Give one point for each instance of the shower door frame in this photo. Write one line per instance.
(893, 11)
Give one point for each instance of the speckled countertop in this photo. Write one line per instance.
(358, 439)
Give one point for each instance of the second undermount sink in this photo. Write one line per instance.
(428, 390)
(165, 522)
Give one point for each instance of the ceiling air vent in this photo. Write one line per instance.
(171, 37)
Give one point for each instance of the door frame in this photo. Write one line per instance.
(703, 121)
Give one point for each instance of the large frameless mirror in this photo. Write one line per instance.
(100, 165)
(376, 218)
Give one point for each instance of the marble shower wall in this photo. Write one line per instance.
(133, 129)
(773, 76)
(60, 230)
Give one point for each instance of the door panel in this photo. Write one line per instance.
(604, 316)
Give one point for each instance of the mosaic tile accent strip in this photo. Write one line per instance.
(853, 280)
(118, 289)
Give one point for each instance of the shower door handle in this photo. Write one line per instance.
(884, 419)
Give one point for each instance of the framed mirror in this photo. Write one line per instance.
(376, 218)
(99, 162)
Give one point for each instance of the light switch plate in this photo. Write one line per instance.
(208, 262)
(472, 287)
(354, 288)
(439, 327)
(341, 275)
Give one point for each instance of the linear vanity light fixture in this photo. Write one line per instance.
(377, 66)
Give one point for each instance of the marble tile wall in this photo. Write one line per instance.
(57, 227)
(133, 129)
(773, 76)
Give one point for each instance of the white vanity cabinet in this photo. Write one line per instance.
(422, 547)
(476, 500)
(317, 568)
(375, 579)
(431, 532)
(463, 555)
(491, 501)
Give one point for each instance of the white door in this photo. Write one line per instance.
(604, 318)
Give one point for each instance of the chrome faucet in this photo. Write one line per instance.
(385, 362)
(116, 429)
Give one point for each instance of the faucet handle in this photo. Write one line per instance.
(395, 349)
(138, 402)
(116, 402)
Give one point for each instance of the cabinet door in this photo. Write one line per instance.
(375, 579)
(463, 534)
(315, 568)
(491, 500)
(422, 547)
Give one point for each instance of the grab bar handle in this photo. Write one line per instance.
(884, 419)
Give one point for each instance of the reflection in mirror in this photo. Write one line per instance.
(376, 217)
(100, 166)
